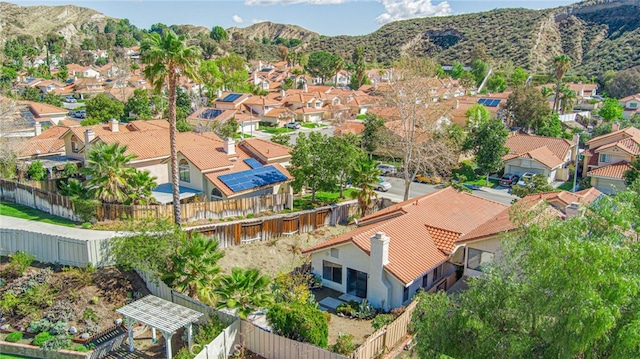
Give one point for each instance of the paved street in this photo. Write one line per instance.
(396, 193)
(327, 130)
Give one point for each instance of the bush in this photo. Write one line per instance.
(209, 331)
(353, 309)
(344, 345)
(466, 169)
(20, 261)
(299, 321)
(87, 209)
(41, 338)
(38, 326)
(382, 320)
(14, 337)
(59, 328)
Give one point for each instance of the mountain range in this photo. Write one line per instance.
(597, 35)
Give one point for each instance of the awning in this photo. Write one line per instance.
(164, 193)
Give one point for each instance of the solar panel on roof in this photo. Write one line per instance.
(231, 97)
(253, 163)
(210, 113)
(482, 101)
(258, 177)
(492, 103)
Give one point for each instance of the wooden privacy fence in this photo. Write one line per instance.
(387, 337)
(267, 228)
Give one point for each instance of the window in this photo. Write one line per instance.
(405, 294)
(332, 272)
(74, 144)
(335, 253)
(183, 168)
(633, 104)
(216, 194)
(438, 272)
(425, 280)
(605, 158)
(478, 259)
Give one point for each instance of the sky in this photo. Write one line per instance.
(326, 17)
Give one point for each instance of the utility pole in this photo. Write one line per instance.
(575, 175)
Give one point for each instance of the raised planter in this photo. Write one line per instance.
(36, 352)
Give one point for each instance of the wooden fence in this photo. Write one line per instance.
(29, 194)
(268, 228)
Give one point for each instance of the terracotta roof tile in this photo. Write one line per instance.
(266, 149)
(39, 108)
(445, 240)
(628, 132)
(615, 170)
(523, 143)
(542, 155)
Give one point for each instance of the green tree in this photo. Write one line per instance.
(322, 64)
(168, 57)
(345, 154)
(590, 282)
(467, 80)
(624, 83)
(568, 99)
(358, 62)
(140, 185)
(477, 114)
(233, 75)
(63, 73)
(52, 99)
(457, 70)
(36, 171)
(611, 110)
(487, 142)
(194, 267)
(519, 77)
(527, 108)
(373, 133)
(496, 83)
(299, 321)
(107, 169)
(32, 94)
(365, 176)
(552, 127)
(632, 174)
(561, 64)
(218, 33)
(101, 109)
(538, 183)
(312, 165)
(245, 290)
(138, 105)
(281, 139)
(479, 69)
(228, 129)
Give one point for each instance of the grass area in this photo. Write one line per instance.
(8, 356)
(239, 136)
(276, 130)
(313, 125)
(482, 182)
(323, 198)
(567, 186)
(24, 212)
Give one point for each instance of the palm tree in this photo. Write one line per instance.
(141, 183)
(107, 169)
(245, 290)
(568, 99)
(168, 58)
(365, 176)
(562, 64)
(195, 267)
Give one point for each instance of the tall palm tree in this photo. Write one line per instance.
(568, 99)
(365, 176)
(562, 64)
(107, 169)
(168, 58)
(141, 183)
(245, 290)
(195, 267)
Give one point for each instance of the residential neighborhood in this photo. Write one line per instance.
(194, 192)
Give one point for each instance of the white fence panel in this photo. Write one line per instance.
(222, 347)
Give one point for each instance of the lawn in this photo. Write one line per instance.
(276, 130)
(313, 125)
(482, 182)
(567, 186)
(322, 198)
(24, 212)
(7, 356)
(239, 136)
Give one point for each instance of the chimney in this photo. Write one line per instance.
(457, 104)
(283, 93)
(615, 126)
(378, 286)
(576, 139)
(230, 146)
(89, 135)
(260, 65)
(219, 93)
(572, 210)
(37, 128)
(114, 125)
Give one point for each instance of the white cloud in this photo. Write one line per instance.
(408, 9)
(237, 19)
(292, 2)
(255, 21)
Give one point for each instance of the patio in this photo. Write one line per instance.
(330, 299)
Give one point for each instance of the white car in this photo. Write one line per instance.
(386, 169)
(526, 179)
(292, 125)
(382, 186)
(70, 99)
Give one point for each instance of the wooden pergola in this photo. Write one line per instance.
(159, 314)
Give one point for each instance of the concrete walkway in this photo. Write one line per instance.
(55, 230)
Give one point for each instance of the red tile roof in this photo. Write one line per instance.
(266, 149)
(615, 170)
(522, 143)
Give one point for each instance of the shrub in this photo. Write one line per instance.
(347, 308)
(36, 171)
(59, 327)
(20, 261)
(466, 169)
(209, 331)
(57, 342)
(41, 338)
(344, 344)
(14, 337)
(87, 209)
(38, 326)
(299, 321)
(89, 315)
(382, 320)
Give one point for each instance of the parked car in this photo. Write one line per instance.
(70, 99)
(382, 186)
(428, 179)
(387, 170)
(509, 180)
(526, 179)
(81, 114)
(292, 125)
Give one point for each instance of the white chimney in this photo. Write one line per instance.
(230, 146)
(219, 93)
(114, 125)
(37, 128)
(572, 210)
(378, 287)
(89, 135)
(305, 88)
(283, 93)
(615, 126)
(260, 65)
(457, 104)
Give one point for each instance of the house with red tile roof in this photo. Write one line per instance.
(412, 245)
(631, 105)
(607, 158)
(548, 156)
(45, 113)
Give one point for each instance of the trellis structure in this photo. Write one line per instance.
(159, 314)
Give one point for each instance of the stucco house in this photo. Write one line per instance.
(412, 245)
(548, 156)
(631, 105)
(607, 158)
